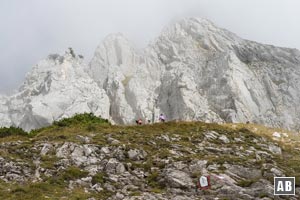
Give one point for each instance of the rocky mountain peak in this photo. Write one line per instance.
(56, 87)
(115, 53)
(61, 69)
(192, 71)
(202, 32)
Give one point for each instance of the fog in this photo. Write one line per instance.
(32, 29)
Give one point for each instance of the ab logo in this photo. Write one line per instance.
(284, 185)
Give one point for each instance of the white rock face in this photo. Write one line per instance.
(193, 71)
(4, 120)
(197, 71)
(57, 87)
(129, 77)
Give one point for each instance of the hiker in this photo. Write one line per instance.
(162, 118)
(147, 121)
(139, 121)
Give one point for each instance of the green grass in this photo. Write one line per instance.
(81, 119)
(99, 178)
(12, 131)
(246, 183)
(87, 122)
(147, 137)
(153, 181)
(73, 173)
(43, 191)
(135, 193)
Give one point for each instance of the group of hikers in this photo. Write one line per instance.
(161, 118)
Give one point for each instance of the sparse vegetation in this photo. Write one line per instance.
(85, 119)
(98, 178)
(12, 131)
(85, 122)
(153, 181)
(73, 173)
(171, 141)
(246, 183)
(72, 52)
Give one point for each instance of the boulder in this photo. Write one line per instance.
(275, 149)
(178, 179)
(135, 154)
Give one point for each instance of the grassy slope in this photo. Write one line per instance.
(189, 134)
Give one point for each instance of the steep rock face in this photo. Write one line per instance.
(240, 80)
(192, 71)
(57, 87)
(197, 71)
(5, 121)
(129, 77)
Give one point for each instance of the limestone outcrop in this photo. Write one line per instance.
(193, 71)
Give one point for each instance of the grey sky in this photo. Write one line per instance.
(32, 29)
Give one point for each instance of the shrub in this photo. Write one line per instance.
(153, 181)
(62, 178)
(73, 173)
(4, 132)
(98, 178)
(86, 119)
(72, 52)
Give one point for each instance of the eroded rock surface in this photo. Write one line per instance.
(155, 168)
(192, 71)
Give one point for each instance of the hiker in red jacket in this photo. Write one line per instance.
(139, 121)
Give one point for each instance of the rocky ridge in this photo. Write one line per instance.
(193, 71)
(56, 88)
(159, 161)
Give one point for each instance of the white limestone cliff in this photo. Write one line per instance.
(192, 71)
(57, 87)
